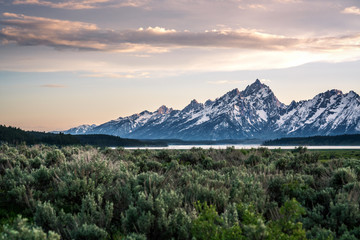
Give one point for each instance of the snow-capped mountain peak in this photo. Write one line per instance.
(193, 106)
(255, 88)
(163, 110)
(328, 113)
(252, 113)
(82, 129)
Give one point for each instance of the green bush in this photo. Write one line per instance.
(94, 193)
(20, 229)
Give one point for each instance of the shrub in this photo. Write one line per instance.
(342, 176)
(22, 230)
(135, 236)
(89, 232)
(54, 157)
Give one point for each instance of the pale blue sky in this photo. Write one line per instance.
(66, 63)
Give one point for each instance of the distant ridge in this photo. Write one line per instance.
(17, 136)
(254, 112)
(339, 140)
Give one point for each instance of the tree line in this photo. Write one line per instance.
(339, 140)
(16, 136)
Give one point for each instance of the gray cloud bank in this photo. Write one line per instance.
(62, 34)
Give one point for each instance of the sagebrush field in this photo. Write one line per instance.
(100, 193)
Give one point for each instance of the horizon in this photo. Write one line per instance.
(203, 102)
(66, 63)
(181, 109)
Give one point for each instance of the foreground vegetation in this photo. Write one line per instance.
(93, 193)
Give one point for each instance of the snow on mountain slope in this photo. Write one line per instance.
(252, 113)
(328, 113)
(125, 125)
(235, 115)
(82, 129)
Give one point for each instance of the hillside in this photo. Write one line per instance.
(340, 140)
(16, 136)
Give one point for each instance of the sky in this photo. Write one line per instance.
(66, 63)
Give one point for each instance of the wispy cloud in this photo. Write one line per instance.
(82, 4)
(288, 1)
(268, 6)
(351, 10)
(61, 34)
(257, 6)
(117, 75)
(52, 86)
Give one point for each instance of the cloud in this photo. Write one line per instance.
(288, 1)
(351, 10)
(27, 30)
(117, 75)
(82, 4)
(62, 34)
(52, 86)
(257, 6)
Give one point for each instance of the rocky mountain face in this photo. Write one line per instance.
(328, 113)
(252, 113)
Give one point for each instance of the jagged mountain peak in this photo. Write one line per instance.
(235, 91)
(82, 128)
(292, 105)
(252, 113)
(194, 102)
(262, 93)
(144, 112)
(254, 88)
(324, 98)
(136, 115)
(194, 105)
(163, 110)
(208, 102)
(330, 93)
(353, 94)
(230, 95)
(88, 125)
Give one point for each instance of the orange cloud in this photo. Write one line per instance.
(117, 75)
(351, 10)
(62, 34)
(82, 4)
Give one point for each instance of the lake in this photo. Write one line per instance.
(242, 146)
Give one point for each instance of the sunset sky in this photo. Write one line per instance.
(66, 63)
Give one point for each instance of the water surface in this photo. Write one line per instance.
(243, 146)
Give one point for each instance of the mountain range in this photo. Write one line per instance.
(252, 113)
